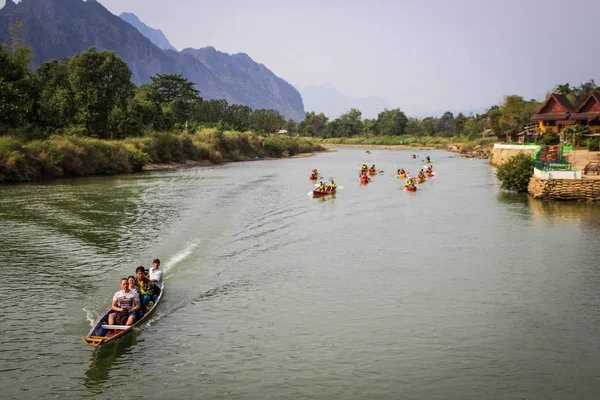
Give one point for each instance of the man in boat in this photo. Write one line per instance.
(124, 301)
(410, 183)
(364, 168)
(332, 186)
(373, 168)
(321, 186)
(146, 287)
(427, 159)
(401, 171)
(421, 175)
(314, 173)
(365, 177)
(155, 275)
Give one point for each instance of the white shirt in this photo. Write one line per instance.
(126, 300)
(156, 275)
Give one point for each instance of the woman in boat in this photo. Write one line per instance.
(321, 186)
(332, 186)
(131, 281)
(410, 182)
(146, 287)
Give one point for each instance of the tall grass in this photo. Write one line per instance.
(64, 156)
(414, 141)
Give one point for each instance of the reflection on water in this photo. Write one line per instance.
(103, 358)
(568, 212)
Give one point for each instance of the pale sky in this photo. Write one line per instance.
(421, 55)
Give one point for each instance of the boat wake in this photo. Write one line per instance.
(90, 315)
(177, 258)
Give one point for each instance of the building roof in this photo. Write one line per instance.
(592, 103)
(553, 116)
(556, 103)
(585, 116)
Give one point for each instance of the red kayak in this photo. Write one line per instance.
(410, 188)
(362, 180)
(318, 192)
(313, 177)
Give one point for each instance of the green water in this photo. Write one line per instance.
(456, 291)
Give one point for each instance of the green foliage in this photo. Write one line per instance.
(516, 172)
(100, 82)
(594, 145)
(391, 122)
(166, 88)
(512, 116)
(573, 134)
(577, 94)
(549, 139)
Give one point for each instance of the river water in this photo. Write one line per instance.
(457, 291)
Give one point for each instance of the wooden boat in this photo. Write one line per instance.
(102, 333)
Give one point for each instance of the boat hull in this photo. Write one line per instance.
(317, 192)
(410, 188)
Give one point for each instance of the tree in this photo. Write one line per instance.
(516, 172)
(315, 125)
(457, 125)
(56, 102)
(391, 122)
(266, 121)
(100, 81)
(444, 123)
(166, 88)
(575, 133)
(512, 116)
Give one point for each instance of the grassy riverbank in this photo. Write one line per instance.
(437, 142)
(70, 156)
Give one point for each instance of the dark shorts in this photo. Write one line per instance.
(134, 313)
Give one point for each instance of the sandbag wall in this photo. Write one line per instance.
(564, 189)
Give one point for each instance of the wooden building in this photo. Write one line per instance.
(589, 113)
(554, 115)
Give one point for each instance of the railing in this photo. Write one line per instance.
(553, 165)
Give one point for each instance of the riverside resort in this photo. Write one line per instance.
(239, 201)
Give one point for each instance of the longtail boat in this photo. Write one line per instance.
(102, 333)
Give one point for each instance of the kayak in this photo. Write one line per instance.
(410, 188)
(313, 177)
(420, 180)
(364, 180)
(430, 174)
(318, 192)
(401, 175)
(372, 172)
(102, 333)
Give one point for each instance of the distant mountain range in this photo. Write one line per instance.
(156, 36)
(329, 100)
(54, 29)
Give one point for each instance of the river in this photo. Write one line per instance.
(457, 291)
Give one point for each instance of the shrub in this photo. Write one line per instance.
(594, 145)
(549, 139)
(516, 172)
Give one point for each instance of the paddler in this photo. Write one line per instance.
(410, 182)
(321, 186)
(332, 185)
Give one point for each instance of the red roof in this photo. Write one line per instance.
(556, 103)
(591, 104)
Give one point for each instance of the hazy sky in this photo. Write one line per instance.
(421, 55)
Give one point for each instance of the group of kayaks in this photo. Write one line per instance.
(366, 172)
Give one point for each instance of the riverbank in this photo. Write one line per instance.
(73, 156)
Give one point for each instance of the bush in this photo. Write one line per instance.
(594, 145)
(549, 139)
(516, 172)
